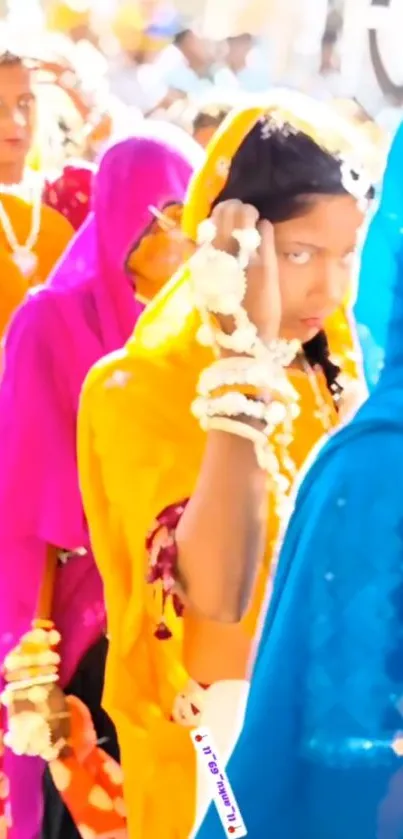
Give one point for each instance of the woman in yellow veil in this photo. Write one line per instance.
(141, 453)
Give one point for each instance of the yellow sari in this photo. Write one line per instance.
(140, 451)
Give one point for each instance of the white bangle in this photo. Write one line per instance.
(237, 428)
(245, 371)
(30, 734)
(18, 661)
(236, 405)
(15, 687)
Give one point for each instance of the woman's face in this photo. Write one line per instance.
(159, 254)
(315, 255)
(17, 113)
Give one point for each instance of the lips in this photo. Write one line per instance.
(313, 322)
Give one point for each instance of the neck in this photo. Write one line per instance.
(141, 299)
(11, 173)
(201, 70)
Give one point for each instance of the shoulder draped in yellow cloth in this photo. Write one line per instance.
(140, 451)
(54, 236)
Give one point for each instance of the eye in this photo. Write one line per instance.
(348, 259)
(25, 103)
(299, 257)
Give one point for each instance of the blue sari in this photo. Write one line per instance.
(319, 756)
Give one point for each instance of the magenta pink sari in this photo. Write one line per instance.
(86, 310)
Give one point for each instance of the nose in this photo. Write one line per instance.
(14, 122)
(331, 284)
(17, 118)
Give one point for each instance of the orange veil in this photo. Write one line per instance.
(140, 451)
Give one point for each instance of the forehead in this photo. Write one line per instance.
(326, 223)
(14, 78)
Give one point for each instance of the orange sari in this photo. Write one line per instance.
(54, 236)
(140, 452)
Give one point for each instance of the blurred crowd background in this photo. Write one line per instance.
(102, 65)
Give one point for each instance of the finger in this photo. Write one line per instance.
(242, 217)
(224, 217)
(230, 216)
(247, 217)
(266, 253)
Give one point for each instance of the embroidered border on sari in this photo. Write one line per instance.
(163, 555)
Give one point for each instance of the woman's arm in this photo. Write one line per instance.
(220, 537)
(221, 534)
(216, 546)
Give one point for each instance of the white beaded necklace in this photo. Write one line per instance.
(23, 255)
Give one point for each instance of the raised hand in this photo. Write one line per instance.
(262, 301)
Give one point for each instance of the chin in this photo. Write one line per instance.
(12, 156)
(299, 332)
(308, 335)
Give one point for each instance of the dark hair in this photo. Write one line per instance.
(279, 170)
(15, 58)
(181, 36)
(10, 59)
(211, 115)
